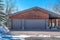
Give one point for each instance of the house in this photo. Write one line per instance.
(35, 18)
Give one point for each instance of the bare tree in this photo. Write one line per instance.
(57, 6)
(10, 7)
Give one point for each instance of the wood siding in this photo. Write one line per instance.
(59, 22)
(32, 14)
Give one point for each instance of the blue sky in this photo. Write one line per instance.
(25, 4)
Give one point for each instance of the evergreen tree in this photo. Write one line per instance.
(2, 15)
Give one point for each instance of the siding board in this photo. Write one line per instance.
(17, 24)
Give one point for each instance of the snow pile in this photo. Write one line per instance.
(22, 36)
(4, 29)
(44, 35)
(26, 36)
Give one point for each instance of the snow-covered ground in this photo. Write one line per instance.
(4, 35)
(22, 37)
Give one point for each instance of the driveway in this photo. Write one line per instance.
(52, 33)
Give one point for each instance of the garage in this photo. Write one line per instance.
(29, 20)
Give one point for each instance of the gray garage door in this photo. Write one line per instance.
(29, 24)
(35, 24)
(15, 24)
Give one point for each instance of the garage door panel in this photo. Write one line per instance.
(35, 24)
(17, 24)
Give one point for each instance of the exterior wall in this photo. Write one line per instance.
(32, 14)
(29, 24)
(59, 22)
(52, 22)
(56, 21)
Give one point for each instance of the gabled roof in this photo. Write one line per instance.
(51, 14)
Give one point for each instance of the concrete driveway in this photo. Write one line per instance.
(52, 33)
